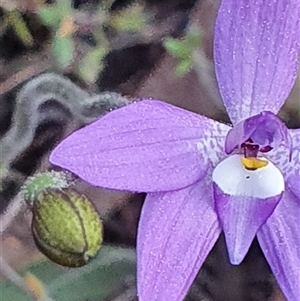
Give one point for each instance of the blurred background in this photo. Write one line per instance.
(138, 49)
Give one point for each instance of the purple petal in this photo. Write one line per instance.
(265, 130)
(294, 184)
(240, 218)
(256, 54)
(279, 239)
(293, 179)
(289, 165)
(146, 146)
(177, 230)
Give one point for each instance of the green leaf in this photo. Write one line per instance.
(50, 15)
(109, 272)
(20, 28)
(53, 14)
(177, 48)
(64, 6)
(63, 49)
(182, 48)
(184, 66)
(92, 64)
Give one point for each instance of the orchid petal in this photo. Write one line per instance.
(244, 199)
(240, 218)
(289, 163)
(256, 54)
(294, 177)
(294, 184)
(279, 239)
(146, 146)
(177, 230)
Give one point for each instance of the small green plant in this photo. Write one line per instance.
(59, 17)
(182, 49)
(14, 20)
(66, 22)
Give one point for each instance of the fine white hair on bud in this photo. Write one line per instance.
(37, 183)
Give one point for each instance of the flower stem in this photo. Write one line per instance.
(10, 274)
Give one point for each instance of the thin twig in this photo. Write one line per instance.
(14, 208)
(10, 274)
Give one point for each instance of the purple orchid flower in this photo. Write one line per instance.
(203, 177)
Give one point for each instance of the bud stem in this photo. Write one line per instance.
(10, 274)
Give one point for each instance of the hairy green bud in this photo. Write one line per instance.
(66, 227)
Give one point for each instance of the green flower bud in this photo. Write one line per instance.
(34, 185)
(66, 227)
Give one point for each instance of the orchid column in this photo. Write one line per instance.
(203, 177)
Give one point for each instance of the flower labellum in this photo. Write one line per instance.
(201, 176)
(246, 196)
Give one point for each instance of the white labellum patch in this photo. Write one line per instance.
(234, 179)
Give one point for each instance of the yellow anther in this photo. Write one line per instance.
(253, 163)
